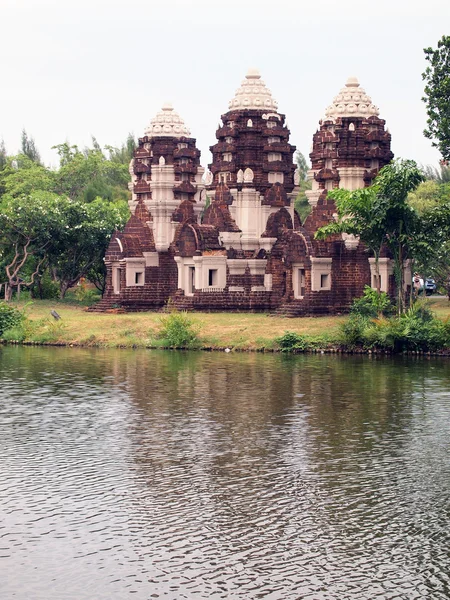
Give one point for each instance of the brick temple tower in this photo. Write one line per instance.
(252, 155)
(351, 145)
(349, 148)
(166, 185)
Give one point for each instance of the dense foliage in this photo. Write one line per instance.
(9, 317)
(386, 215)
(301, 203)
(417, 329)
(178, 330)
(55, 225)
(437, 96)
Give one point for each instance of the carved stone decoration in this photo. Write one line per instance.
(296, 177)
(249, 123)
(240, 176)
(167, 123)
(208, 177)
(162, 161)
(352, 101)
(248, 175)
(253, 94)
(351, 241)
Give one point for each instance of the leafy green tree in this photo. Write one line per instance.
(3, 163)
(441, 175)
(86, 175)
(124, 154)
(394, 183)
(437, 96)
(302, 165)
(301, 203)
(381, 215)
(28, 225)
(79, 247)
(361, 213)
(21, 175)
(28, 148)
(3, 155)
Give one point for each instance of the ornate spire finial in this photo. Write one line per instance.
(253, 94)
(167, 123)
(352, 101)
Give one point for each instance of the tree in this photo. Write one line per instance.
(28, 147)
(79, 247)
(89, 174)
(301, 203)
(361, 213)
(28, 225)
(431, 200)
(437, 96)
(3, 155)
(125, 153)
(381, 215)
(21, 175)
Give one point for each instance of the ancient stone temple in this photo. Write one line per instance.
(230, 239)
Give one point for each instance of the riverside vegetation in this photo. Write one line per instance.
(372, 326)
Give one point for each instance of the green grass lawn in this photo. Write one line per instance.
(245, 331)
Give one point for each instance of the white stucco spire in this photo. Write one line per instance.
(167, 123)
(352, 101)
(253, 93)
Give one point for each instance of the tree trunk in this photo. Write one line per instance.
(63, 287)
(377, 274)
(8, 292)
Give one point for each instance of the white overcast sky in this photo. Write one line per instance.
(72, 69)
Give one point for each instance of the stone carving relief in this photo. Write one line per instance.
(240, 176)
(248, 175)
(208, 177)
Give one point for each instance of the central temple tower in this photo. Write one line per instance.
(254, 160)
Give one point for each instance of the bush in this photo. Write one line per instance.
(291, 342)
(9, 317)
(417, 329)
(46, 288)
(372, 304)
(352, 332)
(178, 330)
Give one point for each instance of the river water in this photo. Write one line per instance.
(152, 474)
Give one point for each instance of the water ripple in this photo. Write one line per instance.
(173, 476)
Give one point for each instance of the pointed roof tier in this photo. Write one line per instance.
(352, 101)
(167, 123)
(253, 94)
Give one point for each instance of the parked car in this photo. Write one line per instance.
(430, 286)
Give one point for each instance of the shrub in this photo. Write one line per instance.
(416, 329)
(9, 317)
(291, 341)
(372, 304)
(178, 330)
(46, 289)
(352, 332)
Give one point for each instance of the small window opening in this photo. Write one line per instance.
(212, 277)
(301, 282)
(191, 280)
(324, 279)
(139, 278)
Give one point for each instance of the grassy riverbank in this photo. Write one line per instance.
(240, 331)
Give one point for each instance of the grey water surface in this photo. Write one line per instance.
(191, 475)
